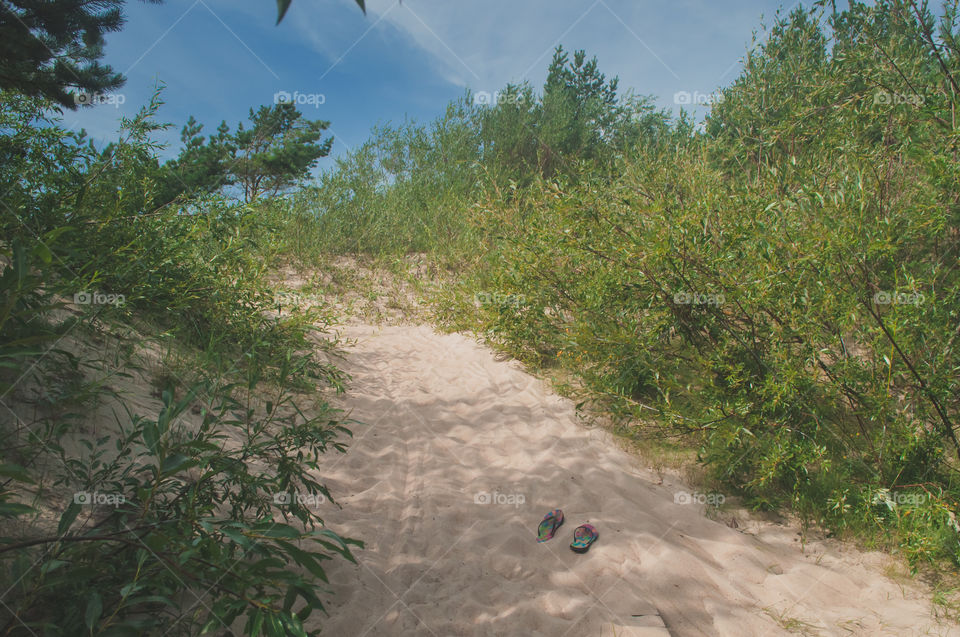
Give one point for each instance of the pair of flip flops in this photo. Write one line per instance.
(583, 536)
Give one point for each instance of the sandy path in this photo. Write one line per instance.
(445, 423)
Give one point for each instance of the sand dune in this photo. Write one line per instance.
(459, 458)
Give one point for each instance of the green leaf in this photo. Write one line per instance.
(212, 623)
(236, 536)
(132, 587)
(120, 630)
(52, 565)
(151, 435)
(44, 253)
(293, 627)
(307, 560)
(68, 517)
(176, 462)
(13, 509)
(282, 6)
(138, 600)
(289, 599)
(94, 610)
(16, 472)
(276, 628)
(277, 530)
(312, 602)
(255, 623)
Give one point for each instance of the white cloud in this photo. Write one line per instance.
(650, 45)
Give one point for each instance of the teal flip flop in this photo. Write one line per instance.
(548, 527)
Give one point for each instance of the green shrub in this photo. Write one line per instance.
(194, 537)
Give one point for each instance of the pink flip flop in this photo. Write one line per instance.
(583, 537)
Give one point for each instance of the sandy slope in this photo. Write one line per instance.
(446, 423)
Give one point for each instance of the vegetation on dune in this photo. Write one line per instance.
(199, 512)
(777, 289)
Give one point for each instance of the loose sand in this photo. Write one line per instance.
(458, 459)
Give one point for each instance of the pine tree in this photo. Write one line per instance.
(52, 48)
(278, 150)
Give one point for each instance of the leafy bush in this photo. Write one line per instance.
(778, 287)
(194, 536)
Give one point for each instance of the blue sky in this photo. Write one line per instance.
(218, 58)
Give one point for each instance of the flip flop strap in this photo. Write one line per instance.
(583, 533)
(551, 529)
